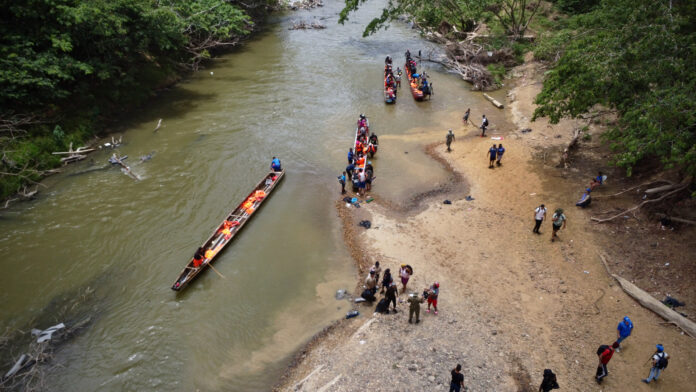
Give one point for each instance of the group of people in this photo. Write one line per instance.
(586, 197)
(391, 81)
(495, 154)
(360, 171)
(484, 121)
(420, 81)
(558, 220)
(658, 360)
(390, 290)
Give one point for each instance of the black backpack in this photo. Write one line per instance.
(662, 361)
(382, 306)
(601, 349)
(368, 295)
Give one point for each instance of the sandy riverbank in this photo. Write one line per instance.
(511, 303)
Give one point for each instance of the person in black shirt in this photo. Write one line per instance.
(457, 379)
(549, 381)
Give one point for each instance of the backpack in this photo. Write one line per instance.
(602, 349)
(662, 361)
(368, 295)
(382, 306)
(485, 122)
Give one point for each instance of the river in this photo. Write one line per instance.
(98, 243)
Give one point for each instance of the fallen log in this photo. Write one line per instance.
(649, 302)
(630, 189)
(681, 188)
(676, 219)
(493, 101)
(566, 152)
(126, 168)
(661, 189)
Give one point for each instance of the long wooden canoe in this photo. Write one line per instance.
(413, 83)
(217, 241)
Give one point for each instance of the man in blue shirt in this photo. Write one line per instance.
(501, 150)
(350, 156)
(623, 330)
(342, 181)
(275, 164)
(492, 152)
(349, 171)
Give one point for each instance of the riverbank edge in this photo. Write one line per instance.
(100, 128)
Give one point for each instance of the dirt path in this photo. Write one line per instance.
(511, 302)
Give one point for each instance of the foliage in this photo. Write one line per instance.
(498, 72)
(462, 14)
(636, 57)
(66, 63)
(514, 15)
(576, 6)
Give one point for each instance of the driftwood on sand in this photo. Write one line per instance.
(493, 101)
(649, 302)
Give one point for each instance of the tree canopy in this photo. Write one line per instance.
(65, 63)
(637, 57)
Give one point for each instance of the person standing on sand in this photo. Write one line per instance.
(342, 181)
(457, 379)
(604, 354)
(371, 282)
(466, 116)
(484, 125)
(449, 140)
(559, 222)
(405, 275)
(386, 280)
(539, 216)
(623, 330)
(414, 300)
(391, 294)
(501, 150)
(433, 292)
(492, 152)
(377, 269)
(659, 362)
(549, 381)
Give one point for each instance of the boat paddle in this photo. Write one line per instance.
(216, 271)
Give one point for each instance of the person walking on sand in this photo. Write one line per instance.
(405, 275)
(466, 116)
(501, 150)
(414, 307)
(623, 330)
(342, 181)
(604, 353)
(539, 216)
(660, 360)
(386, 280)
(433, 292)
(457, 379)
(559, 222)
(549, 382)
(492, 152)
(449, 140)
(391, 294)
(484, 125)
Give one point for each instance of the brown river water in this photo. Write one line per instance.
(98, 243)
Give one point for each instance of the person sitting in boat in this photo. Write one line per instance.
(209, 254)
(358, 146)
(361, 160)
(397, 78)
(362, 121)
(373, 139)
(362, 132)
(198, 258)
(275, 164)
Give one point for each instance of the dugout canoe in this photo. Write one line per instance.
(241, 215)
(413, 84)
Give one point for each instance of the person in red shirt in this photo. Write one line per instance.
(604, 353)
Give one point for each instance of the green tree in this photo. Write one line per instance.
(636, 57)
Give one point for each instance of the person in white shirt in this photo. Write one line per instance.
(659, 363)
(539, 216)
